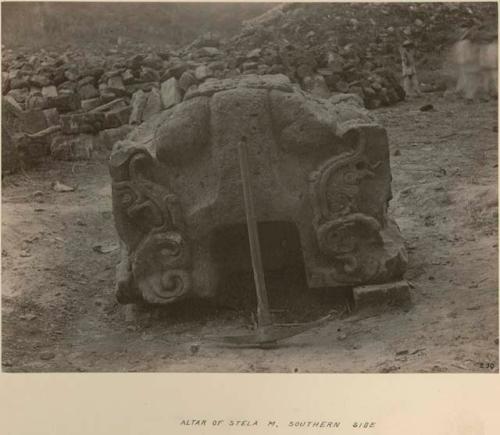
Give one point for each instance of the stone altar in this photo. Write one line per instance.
(321, 179)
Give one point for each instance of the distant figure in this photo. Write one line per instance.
(488, 63)
(475, 56)
(410, 80)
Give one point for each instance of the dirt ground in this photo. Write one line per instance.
(58, 306)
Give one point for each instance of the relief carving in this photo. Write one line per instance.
(188, 156)
(149, 221)
(350, 239)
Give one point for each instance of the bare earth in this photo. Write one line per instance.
(59, 312)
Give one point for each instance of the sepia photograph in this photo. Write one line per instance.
(249, 187)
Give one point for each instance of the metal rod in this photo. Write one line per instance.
(263, 313)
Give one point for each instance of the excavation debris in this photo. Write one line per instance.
(324, 49)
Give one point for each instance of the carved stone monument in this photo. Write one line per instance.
(320, 171)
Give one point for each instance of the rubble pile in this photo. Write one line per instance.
(82, 101)
(71, 105)
(348, 47)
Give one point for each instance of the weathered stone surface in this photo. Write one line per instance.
(86, 81)
(10, 155)
(5, 83)
(71, 74)
(145, 87)
(187, 80)
(90, 104)
(316, 85)
(117, 117)
(135, 62)
(39, 80)
(68, 102)
(117, 102)
(202, 72)
(19, 83)
(170, 93)
(107, 138)
(388, 294)
(318, 168)
(116, 86)
(10, 102)
(138, 103)
(149, 75)
(152, 61)
(36, 101)
(209, 51)
(20, 95)
(176, 70)
(254, 54)
(105, 95)
(70, 147)
(247, 66)
(49, 91)
(352, 99)
(211, 86)
(153, 104)
(88, 91)
(52, 117)
(32, 148)
(88, 122)
(33, 121)
(128, 77)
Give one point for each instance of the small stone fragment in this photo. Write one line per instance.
(396, 293)
(47, 355)
(153, 104)
(138, 103)
(170, 93)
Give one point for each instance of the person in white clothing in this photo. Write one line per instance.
(410, 80)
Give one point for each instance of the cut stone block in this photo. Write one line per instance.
(107, 138)
(71, 148)
(153, 104)
(202, 73)
(52, 116)
(19, 95)
(91, 104)
(170, 93)
(64, 102)
(316, 85)
(116, 86)
(31, 149)
(88, 91)
(128, 77)
(392, 294)
(138, 103)
(10, 102)
(145, 87)
(116, 103)
(49, 91)
(321, 177)
(33, 121)
(36, 101)
(10, 154)
(82, 123)
(117, 117)
(187, 80)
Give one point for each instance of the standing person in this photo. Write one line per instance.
(410, 80)
(488, 64)
(467, 61)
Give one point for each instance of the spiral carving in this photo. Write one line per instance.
(149, 221)
(342, 233)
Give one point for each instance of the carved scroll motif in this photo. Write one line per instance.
(149, 221)
(343, 233)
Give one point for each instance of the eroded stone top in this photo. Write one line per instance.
(278, 82)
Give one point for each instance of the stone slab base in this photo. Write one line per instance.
(389, 294)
